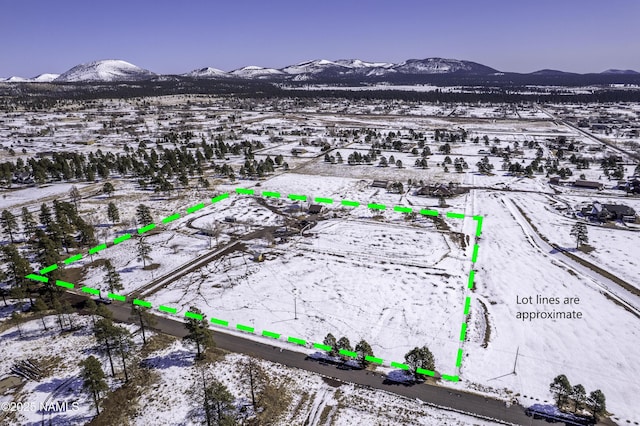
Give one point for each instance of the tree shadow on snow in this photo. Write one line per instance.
(180, 358)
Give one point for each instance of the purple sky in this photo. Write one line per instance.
(169, 37)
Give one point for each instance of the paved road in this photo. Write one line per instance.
(430, 394)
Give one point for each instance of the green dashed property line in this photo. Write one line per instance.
(90, 290)
(219, 198)
(350, 203)
(399, 365)
(453, 215)
(472, 274)
(324, 200)
(401, 209)
(167, 309)
(479, 226)
(322, 347)
(121, 238)
(428, 212)
(193, 315)
(295, 197)
(245, 328)
(49, 268)
(141, 303)
(270, 334)
(64, 284)
(147, 228)
(116, 297)
(171, 218)
(474, 256)
(248, 329)
(350, 354)
(72, 259)
(195, 208)
(38, 278)
(463, 331)
(97, 248)
(467, 305)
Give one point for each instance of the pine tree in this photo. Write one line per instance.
(579, 230)
(579, 396)
(329, 340)
(93, 379)
(105, 333)
(143, 249)
(113, 214)
(108, 188)
(254, 377)
(420, 358)
(143, 214)
(9, 223)
(561, 388)
(28, 223)
(597, 404)
(124, 346)
(45, 215)
(199, 332)
(344, 344)
(363, 350)
(113, 280)
(218, 407)
(18, 266)
(144, 318)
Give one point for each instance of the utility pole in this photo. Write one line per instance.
(295, 303)
(516, 361)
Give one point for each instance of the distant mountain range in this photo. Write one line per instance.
(317, 70)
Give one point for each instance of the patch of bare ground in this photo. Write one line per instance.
(122, 404)
(157, 342)
(151, 267)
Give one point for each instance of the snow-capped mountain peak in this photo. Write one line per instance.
(207, 72)
(253, 71)
(106, 70)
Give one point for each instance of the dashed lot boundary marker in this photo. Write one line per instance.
(277, 336)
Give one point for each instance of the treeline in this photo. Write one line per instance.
(32, 96)
(152, 166)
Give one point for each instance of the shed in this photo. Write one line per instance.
(588, 184)
(380, 184)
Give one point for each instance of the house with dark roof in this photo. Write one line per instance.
(588, 184)
(609, 212)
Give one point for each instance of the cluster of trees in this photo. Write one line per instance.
(444, 136)
(151, 166)
(363, 349)
(576, 398)
(612, 168)
(484, 166)
(252, 168)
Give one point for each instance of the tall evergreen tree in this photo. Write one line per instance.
(199, 332)
(579, 396)
(579, 230)
(331, 341)
(112, 279)
(9, 223)
(218, 407)
(143, 249)
(40, 308)
(420, 358)
(561, 388)
(45, 215)
(144, 318)
(106, 334)
(93, 379)
(28, 223)
(18, 266)
(143, 214)
(597, 404)
(113, 214)
(363, 349)
(108, 188)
